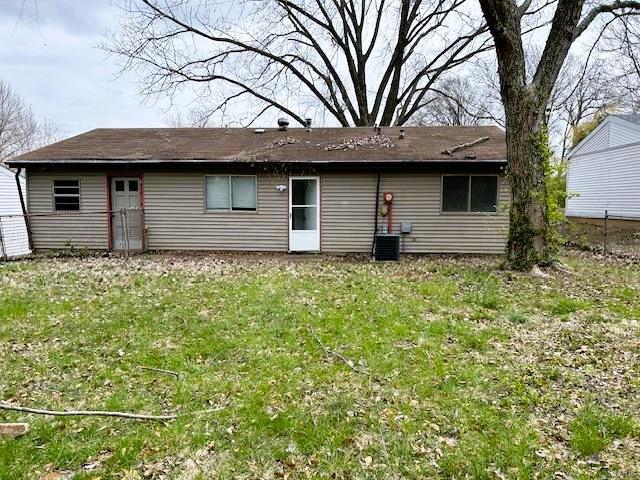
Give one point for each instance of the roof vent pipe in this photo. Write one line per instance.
(283, 123)
(307, 123)
(402, 133)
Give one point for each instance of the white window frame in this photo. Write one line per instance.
(230, 209)
(54, 195)
(468, 210)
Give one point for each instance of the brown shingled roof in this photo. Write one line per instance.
(321, 145)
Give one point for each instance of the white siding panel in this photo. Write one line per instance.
(608, 180)
(597, 140)
(14, 241)
(623, 133)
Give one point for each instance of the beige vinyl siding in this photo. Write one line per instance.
(176, 217)
(347, 212)
(347, 215)
(58, 230)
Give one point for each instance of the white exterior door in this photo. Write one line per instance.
(126, 216)
(304, 214)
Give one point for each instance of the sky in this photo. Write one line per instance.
(48, 55)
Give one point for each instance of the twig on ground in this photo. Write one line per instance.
(160, 370)
(94, 413)
(103, 413)
(332, 353)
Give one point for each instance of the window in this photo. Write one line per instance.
(229, 192)
(469, 193)
(66, 195)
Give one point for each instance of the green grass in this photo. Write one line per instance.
(595, 428)
(431, 368)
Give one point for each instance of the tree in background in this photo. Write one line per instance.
(361, 62)
(585, 92)
(20, 131)
(457, 101)
(525, 99)
(622, 43)
(586, 87)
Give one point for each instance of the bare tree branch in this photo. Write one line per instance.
(20, 131)
(349, 58)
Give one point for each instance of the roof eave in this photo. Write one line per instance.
(17, 163)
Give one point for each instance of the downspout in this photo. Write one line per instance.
(375, 221)
(27, 223)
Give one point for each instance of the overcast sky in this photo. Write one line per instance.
(52, 62)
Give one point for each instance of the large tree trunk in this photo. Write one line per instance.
(528, 226)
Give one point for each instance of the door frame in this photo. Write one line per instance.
(318, 210)
(108, 180)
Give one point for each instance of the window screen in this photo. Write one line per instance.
(237, 193)
(243, 193)
(469, 193)
(484, 193)
(66, 195)
(455, 193)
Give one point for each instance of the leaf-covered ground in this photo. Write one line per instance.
(322, 368)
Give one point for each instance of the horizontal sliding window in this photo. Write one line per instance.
(66, 195)
(469, 193)
(231, 193)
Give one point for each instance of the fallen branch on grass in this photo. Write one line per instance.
(332, 353)
(93, 413)
(160, 370)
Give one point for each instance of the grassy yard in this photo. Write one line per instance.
(429, 368)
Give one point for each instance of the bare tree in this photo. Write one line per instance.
(457, 101)
(525, 104)
(20, 131)
(361, 62)
(18, 126)
(583, 91)
(623, 46)
(585, 87)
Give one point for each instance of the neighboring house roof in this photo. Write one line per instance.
(629, 117)
(296, 145)
(615, 131)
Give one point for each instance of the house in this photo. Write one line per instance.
(14, 241)
(604, 171)
(280, 189)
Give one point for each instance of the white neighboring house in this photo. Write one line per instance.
(604, 171)
(14, 241)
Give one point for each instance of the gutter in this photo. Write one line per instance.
(81, 162)
(24, 208)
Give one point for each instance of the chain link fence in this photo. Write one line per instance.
(72, 232)
(613, 233)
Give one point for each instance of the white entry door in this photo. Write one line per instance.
(126, 216)
(304, 214)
